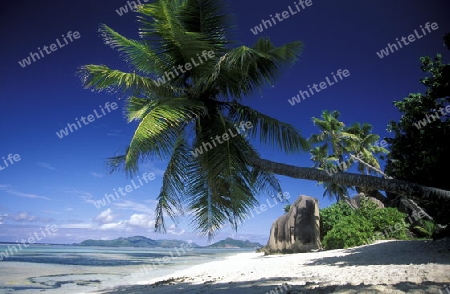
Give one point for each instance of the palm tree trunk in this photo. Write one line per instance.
(350, 179)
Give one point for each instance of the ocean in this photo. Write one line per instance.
(56, 269)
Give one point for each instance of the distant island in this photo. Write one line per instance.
(141, 241)
(136, 241)
(232, 243)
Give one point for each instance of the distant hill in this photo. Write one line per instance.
(136, 241)
(232, 243)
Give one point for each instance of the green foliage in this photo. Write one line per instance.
(233, 243)
(424, 228)
(136, 241)
(339, 228)
(391, 223)
(338, 142)
(419, 153)
(176, 117)
(388, 221)
(350, 231)
(331, 215)
(286, 208)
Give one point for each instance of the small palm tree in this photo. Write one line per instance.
(323, 161)
(334, 138)
(332, 133)
(365, 144)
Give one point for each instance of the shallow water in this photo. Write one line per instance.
(77, 269)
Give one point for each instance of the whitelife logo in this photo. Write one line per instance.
(183, 69)
(90, 118)
(340, 73)
(285, 14)
(206, 146)
(11, 158)
(444, 111)
(130, 4)
(411, 38)
(128, 188)
(31, 240)
(36, 56)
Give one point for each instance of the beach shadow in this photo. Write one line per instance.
(277, 285)
(392, 253)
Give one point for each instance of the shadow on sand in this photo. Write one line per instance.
(393, 252)
(180, 286)
(388, 253)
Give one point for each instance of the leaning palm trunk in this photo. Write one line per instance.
(350, 179)
(370, 167)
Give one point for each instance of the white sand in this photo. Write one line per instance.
(384, 267)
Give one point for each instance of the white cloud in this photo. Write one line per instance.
(142, 221)
(76, 226)
(24, 216)
(173, 232)
(105, 217)
(136, 221)
(130, 205)
(45, 165)
(96, 175)
(2, 218)
(21, 194)
(86, 196)
(114, 226)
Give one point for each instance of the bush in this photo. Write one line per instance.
(350, 231)
(331, 215)
(391, 223)
(388, 221)
(339, 227)
(424, 228)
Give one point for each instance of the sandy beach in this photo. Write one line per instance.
(383, 267)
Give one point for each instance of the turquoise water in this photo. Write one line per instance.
(78, 269)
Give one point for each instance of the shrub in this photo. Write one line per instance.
(388, 221)
(331, 215)
(340, 227)
(350, 231)
(424, 229)
(391, 223)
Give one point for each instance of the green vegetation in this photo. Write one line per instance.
(332, 214)
(336, 143)
(177, 116)
(232, 243)
(350, 231)
(136, 241)
(344, 227)
(420, 149)
(423, 229)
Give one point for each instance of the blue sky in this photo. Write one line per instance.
(56, 181)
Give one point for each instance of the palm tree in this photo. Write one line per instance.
(323, 161)
(333, 133)
(184, 110)
(334, 138)
(180, 109)
(365, 144)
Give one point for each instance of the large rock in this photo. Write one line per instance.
(356, 201)
(298, 230)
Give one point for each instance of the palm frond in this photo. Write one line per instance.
(269, 130)
(170, 199)
(101, 77)
(137, 53)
